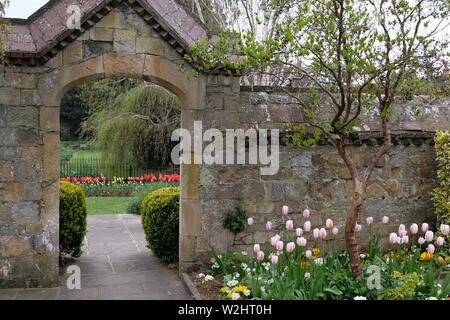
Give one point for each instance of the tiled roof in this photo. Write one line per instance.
(35, 40)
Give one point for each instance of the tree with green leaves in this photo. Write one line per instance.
(4, 29)
(354, 57)
(136, 126)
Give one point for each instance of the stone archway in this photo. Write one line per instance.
(137, 39)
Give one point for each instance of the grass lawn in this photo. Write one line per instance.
(86, 154)
(113, 205)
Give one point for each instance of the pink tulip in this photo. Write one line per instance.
(250, 221)
(274, 259)
(260, 256)
(399, 240)
(429, 235)
(402, 233)
(369, 220)
(322, 233)
(401, 228)
(308, 253)
(335, 231)
(430, 249)
(329, 223)
(307, 226)
(306, 213)
(440, 241)
(269, 225)
(284, 210)
(316, 233)
(358, 227)
(301, 242)
(414, 228)
(256, 248)
(274, 240)
(299, 232)
(385, 219)
(290, 247)
(405, 239)
(421, 240)
(289, 225)
(279, 245)
(445, 228)
(393, 238)
(424, 227)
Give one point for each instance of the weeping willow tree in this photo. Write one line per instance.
(136, 127)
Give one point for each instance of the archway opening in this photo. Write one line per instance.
(116, 146)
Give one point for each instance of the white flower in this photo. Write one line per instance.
(201, 275)
(246, 292)
(270, 281)
(263, 289)
(318, 261)
(359, 298)
(209, 278)
(237, 275)
(232, 283)
(235, 296)
(307, 275)
(362, 255)
(244, 266)
(215, 266)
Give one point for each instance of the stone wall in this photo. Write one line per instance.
(146, 39)
(123, 40)
(400, 185)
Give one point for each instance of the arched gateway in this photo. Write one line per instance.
(147, 39)
(143, 39)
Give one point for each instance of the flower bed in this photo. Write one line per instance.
(288, 270)
(118, 187)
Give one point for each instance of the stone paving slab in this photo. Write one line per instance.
(115, 265)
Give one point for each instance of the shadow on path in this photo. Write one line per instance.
(115, 265)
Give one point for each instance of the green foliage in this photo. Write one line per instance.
(234, 221)
(136, 127)
(160, 220)
(66, 151)
(143, 191)
(4, 29)
(74, 110)
(404, 287)
(72, 219)
(441, 194)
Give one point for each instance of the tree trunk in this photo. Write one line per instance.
(350, 238)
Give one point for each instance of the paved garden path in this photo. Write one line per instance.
(115, 265)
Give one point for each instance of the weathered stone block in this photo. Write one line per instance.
(51, 159)
(22, 116)
(73, 52)
(14, 245)
(122, 65)
(21, 80)
(25, 212)
(10, 96)
(30, 98)
(49, 119)
(114, 19)
(101, 34)
(124, 41)
(6, 171)
(149, 46)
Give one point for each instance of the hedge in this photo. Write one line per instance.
(72, 219)
(160, 220)
(441, 194)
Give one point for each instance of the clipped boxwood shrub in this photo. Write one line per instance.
(441, 194)
(72, 219)
(160, 220)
